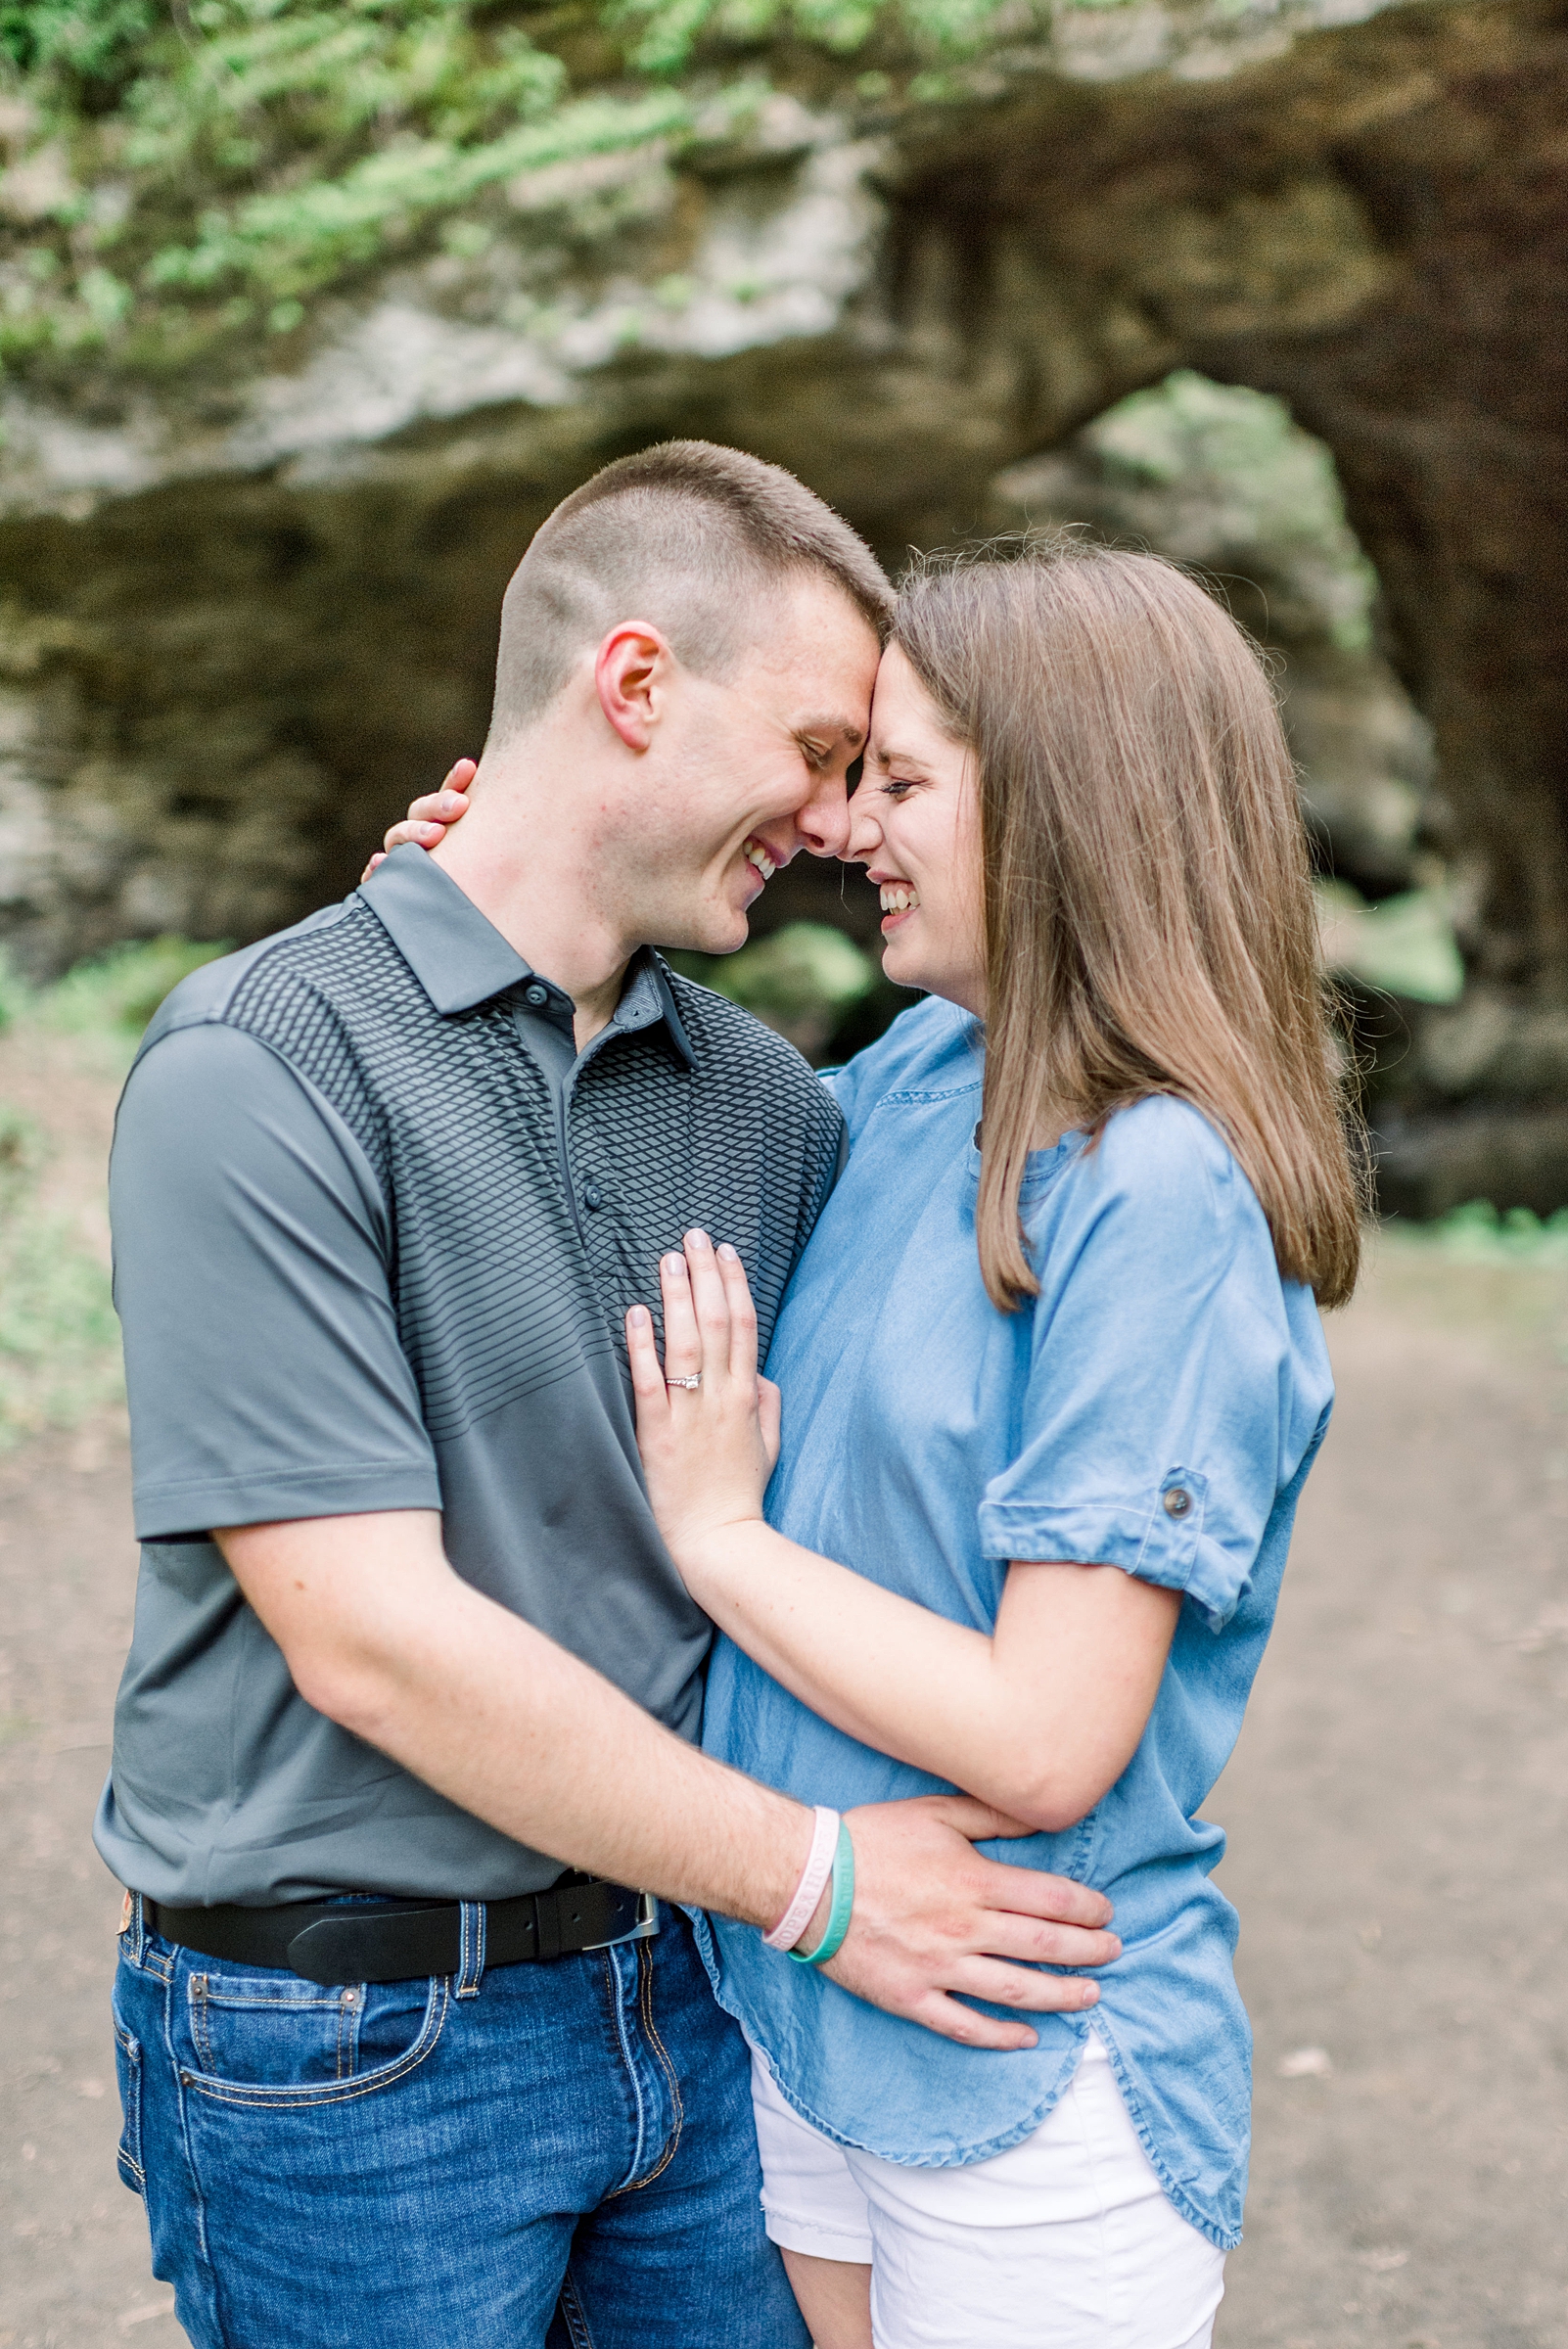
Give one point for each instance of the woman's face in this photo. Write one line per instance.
(914, 824)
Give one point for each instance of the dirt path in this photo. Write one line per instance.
(1397, 1814)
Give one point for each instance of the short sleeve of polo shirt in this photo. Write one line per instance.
(263, 1368)
(1157, 1421)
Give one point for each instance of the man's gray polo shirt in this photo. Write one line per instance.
(360, 1266)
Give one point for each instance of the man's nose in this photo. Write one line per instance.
(823, 824)
(865, 833)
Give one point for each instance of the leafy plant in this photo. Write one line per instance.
(184, 177)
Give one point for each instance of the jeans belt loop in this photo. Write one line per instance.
(136, 1931)
(470, 1948)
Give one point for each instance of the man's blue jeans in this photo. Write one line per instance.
(435, 2164)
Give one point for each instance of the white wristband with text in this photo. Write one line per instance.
(818, 1868)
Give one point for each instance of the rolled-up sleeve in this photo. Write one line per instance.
(263, 1368)
(1156, 1415)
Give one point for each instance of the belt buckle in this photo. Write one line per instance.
(646, 1927)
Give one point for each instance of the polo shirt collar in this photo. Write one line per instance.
(460, 958)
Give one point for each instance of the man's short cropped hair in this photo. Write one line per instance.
(688, 535)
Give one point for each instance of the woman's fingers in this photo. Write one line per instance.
(430, 815)
(742, 1313)
(683, 1345)
(710, 1301)
(422, 835)
(647, 1377)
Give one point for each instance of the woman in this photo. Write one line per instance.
(1053, 1378)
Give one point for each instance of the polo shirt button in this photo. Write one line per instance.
(592, 1196)
(537, 995)
(1178, 1502)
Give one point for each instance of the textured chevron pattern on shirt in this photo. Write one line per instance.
(502, 1284)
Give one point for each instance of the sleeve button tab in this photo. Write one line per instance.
(1178, 1502)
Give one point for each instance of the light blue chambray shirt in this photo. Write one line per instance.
(929, 1438)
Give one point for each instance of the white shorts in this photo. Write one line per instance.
(1066, 2241)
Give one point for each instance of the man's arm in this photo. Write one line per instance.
(384, 1639)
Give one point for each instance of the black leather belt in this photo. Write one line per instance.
(393, 1941)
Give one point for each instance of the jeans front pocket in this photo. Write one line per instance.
(258, 2029)
(128, 2074)
(269, 2039)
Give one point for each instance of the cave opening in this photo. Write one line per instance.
(1222, 479)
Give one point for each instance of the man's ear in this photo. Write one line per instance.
(631, 674)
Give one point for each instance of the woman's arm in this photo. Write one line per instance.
(1041, 1717)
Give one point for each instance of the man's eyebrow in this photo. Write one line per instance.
(832, 727)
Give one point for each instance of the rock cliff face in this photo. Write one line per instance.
(248, 611)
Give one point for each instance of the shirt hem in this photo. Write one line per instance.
(1222, 2238)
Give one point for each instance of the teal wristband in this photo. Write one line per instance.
(842, 1905)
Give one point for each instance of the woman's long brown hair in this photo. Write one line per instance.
(1148, 912)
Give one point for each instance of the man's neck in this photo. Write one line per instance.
(529, 881)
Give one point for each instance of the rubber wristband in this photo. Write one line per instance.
(808, 1891)
(839, 1914)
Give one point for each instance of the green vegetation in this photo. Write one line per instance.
(1477, 1234)
(113, 999)
(1220, 473)
(803, 969)
(186, 176)
(804, 981)
(59, 1338)
(1404, 945)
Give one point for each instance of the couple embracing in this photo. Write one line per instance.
(507, 1958)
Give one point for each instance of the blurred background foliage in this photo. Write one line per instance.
(59, 1338)
(186, 174)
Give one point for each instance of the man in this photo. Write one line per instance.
(410, 2049)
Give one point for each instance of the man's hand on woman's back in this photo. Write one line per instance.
(382, 1637)
(934, 1919)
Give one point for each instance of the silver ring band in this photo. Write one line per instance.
(691, 1384)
